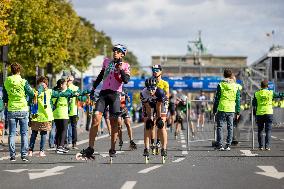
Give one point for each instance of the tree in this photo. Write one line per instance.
(5, 6)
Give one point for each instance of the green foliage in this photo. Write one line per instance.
(5, 6)
(49, 31)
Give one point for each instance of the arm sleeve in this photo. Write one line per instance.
(238, 102)
(28, 90)
(99, 78)
(124, 76)
(216, 99)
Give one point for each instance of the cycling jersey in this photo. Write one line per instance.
(162, 84)
(112, 77)
(159, 96)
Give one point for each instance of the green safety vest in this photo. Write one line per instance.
(281, 104)
(44, 110)
(15, 87)
(264, 99)
(73, 101)
(227, 102)
(61, 110)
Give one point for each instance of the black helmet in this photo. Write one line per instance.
(151, 82)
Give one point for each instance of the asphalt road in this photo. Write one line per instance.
(200, 167)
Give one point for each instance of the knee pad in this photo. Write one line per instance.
(159, 123)
(149, 124)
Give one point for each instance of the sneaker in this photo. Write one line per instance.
(12, 158)
(25, 158)
(227, 147)
(220, 148)
(66, 150)
(261, 148)
(60, 150)
(30, 153)
(267, 149)
(42, 154)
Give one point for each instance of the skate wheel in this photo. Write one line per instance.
(146, 159)
(163, 159)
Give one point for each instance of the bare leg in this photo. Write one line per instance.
(129, 129)
(114, 131)
(94, 129)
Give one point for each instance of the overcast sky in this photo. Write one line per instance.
(160, 27)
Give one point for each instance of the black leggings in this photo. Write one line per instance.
(61, 131)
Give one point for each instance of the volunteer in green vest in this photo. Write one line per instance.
(60, 114)
(226, 105)
(73, 114)
(15, 91)
(43, 121)
(262, 103)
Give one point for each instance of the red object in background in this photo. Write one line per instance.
(1, 125)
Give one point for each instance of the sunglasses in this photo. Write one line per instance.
(117, 50)
(155, 70)
(151, 88)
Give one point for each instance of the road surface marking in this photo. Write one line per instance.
(106, 135)
(182, 141)
(183, 146)
(40, 173)
(282, 139)
(128, 185)
(178, 160)
(247, 153)
(16, 170)
(150, 169)
(270, 171)
(106, 154)
(184, 152)
(201, 140)
(274, 137)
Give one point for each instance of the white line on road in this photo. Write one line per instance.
(183, 146)
(201, 140)
(178, 160)
(128, 185)
(106, 135)
(150, 169)
(182, 141)
(270, 171)
(247, 153)
(274, 137)
(184, 152)
(282, 139)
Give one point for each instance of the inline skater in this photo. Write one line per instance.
(164, 85)
(201, 106)
(126, 117)
(154, 109)
(114, 73)
(181, 111)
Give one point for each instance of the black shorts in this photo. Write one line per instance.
(124, 113)
(109, 98)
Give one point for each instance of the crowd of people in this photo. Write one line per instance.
(55, 111)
